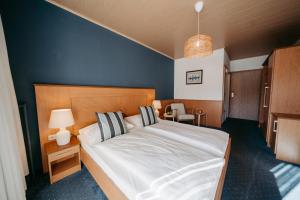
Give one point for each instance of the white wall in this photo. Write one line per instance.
(212, 86)
(247, 63)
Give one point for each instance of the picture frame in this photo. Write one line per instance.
(194, 77)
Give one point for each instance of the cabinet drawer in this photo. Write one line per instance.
(64, 153)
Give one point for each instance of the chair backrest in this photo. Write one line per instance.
(168, 108)
(179, 107)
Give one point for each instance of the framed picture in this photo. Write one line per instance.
(194, 77)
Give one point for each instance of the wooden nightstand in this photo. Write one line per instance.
(63, 160)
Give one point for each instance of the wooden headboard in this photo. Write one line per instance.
(84, 102)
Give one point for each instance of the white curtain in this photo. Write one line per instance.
(13, 161)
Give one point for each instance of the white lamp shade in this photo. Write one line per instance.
(61, 118)
(157, 104)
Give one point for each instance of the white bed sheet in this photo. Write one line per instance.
(150, 166)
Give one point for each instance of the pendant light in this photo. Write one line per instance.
(198, 45)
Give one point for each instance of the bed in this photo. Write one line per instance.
(122, 166)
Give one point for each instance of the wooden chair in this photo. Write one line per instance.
(181, 114)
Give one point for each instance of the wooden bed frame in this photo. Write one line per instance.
(84, 102)
(112, 192)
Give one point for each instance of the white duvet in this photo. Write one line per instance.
(146, 164)
(210, 140)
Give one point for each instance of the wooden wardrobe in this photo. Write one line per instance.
(279, 114)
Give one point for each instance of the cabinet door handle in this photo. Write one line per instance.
(275, 126)
(265, 97)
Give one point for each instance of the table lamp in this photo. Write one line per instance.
(61, 118)
(157, 105)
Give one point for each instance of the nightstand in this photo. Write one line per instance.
(63, 160)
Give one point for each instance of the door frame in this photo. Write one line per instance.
(226, 93)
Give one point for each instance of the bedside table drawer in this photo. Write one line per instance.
(63, 153)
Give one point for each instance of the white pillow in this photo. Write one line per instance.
(86, 129)
(92, 134)
(135, 120)
(129, 125)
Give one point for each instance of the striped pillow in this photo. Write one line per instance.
(148, 115)
(111, 124)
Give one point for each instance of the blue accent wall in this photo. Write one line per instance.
(47, 44)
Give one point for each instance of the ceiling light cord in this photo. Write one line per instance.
(198, 23)
(198, 30)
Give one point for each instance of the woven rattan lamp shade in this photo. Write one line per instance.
(198, 45)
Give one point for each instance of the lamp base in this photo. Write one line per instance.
(63, 137)
(157, 113)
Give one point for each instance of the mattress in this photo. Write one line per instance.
(146, 164)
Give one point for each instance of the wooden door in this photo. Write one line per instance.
(285, 97)
(245, 93)
(268, 117)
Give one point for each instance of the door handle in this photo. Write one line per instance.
(275, 126)
(265, 97)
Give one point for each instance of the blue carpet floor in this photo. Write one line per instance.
(253, 172)
(77, 186)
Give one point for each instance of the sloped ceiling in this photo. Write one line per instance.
(245, 28)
